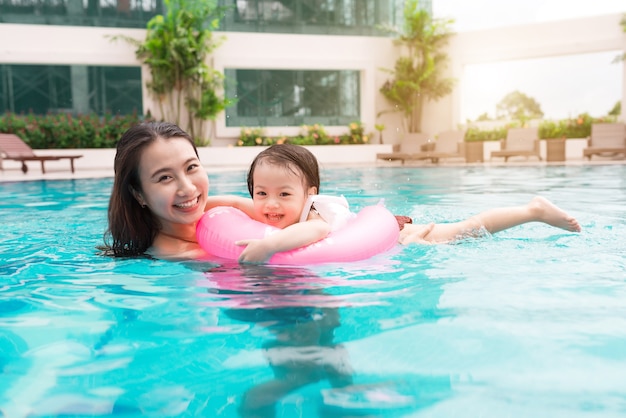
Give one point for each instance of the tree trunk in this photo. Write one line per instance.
(416, 116)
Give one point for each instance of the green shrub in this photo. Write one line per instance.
(579, 127)
(64, 131)
(356, 134)
(309, 135)
(253, 136)
(474, 134)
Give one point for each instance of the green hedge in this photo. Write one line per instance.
(578, 127)
(309, 135)
(54, 131)
(474, 134)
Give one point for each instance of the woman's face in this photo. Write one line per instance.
(278, 194)
(174, 183)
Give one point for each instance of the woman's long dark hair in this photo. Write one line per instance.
(132, 228)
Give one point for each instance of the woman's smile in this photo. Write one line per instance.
(188, 204)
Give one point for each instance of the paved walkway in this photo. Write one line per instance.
(98, 163)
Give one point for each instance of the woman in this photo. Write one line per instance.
(159, 193)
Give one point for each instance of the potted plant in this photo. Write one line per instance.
(475, 139)
(417, 74)
(554, 133)
(555, 149)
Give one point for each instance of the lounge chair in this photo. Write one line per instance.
(522, 142)
(449, 144)
(606, 139)
(13, 148)
(411, 144)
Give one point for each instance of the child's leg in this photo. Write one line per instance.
(538, 209)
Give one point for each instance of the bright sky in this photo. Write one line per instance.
(598, 82)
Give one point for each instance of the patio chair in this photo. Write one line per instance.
(13, 148)
(411, 144)
(606, 139)
(449, 144)
(523, 142)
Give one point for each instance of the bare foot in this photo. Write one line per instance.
(548, 212)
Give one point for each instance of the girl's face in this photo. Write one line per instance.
(278, 194)
(174, 183)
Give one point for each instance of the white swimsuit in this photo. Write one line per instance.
(333, 209)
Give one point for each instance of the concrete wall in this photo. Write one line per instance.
(539, 40)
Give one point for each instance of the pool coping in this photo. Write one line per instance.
(98, 163)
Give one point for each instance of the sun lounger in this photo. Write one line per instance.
(606, 139)
(411, 144)
(449, 144)
(522, 142)
(13, 148)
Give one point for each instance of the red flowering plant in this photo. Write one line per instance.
(356, 134)
(312, 135)
(253, 136)
(578, 127)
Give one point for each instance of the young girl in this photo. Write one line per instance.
(284, 183)
(280, 180)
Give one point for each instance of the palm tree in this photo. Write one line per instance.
(417, 76)
(176, 49)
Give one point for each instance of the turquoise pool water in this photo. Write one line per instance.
(530, 322)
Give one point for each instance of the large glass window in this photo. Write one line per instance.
(334, 17)
(74, 89)
(108, 13)
(292, 97)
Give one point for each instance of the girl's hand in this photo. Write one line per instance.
(257, 251)
(415, 233)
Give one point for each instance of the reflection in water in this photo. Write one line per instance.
(302, 319)
(306, 358)
(302, 348)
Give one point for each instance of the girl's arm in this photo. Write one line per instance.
(294, 236)
(244, 204)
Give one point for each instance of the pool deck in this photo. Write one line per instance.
(99, 163)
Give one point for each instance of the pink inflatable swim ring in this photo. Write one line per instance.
(372, 231)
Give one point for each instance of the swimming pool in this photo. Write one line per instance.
(528, 322)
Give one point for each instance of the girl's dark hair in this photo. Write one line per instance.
(132, 228)
(292, 157)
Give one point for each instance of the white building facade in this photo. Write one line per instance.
(354, 62)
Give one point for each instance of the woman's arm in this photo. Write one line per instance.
(244, 204)
(294, 236)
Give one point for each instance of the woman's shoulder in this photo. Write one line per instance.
(165, 249)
